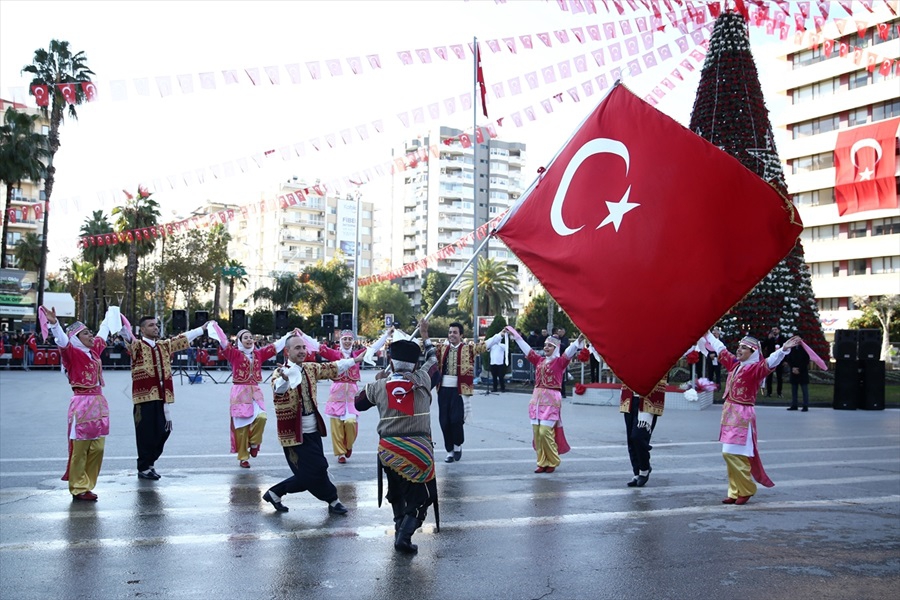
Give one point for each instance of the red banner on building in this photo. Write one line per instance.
(865, 160)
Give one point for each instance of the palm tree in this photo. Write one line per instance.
(235, 273)
(28, 252)
(52, 68)
(83, 272)
(139, 212)
(326, 287)
(286, 293)
(218, 256)
(98, 224)
(22, 151)
(496, 287)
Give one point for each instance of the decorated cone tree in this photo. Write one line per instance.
(730, 112)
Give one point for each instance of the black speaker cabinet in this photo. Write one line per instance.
(845, 344)
(872, 384)
(179, 321)
(847, 390)
(869, 346)
(238, 320)
(281, 320)
(200, 317)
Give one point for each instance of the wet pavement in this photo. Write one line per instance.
(829, 529)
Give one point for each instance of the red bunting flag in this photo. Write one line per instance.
(865, 164)
(41, 97)
(482, 88)
(90, 90)
(68, 92)
(618, 226)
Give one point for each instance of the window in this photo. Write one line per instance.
(828, 303)
(824, 269)
(859, 116)
(814, 197)
(12, 238)
(365, 230)
(886, 110)
(859, 79)
(856, 230)
(887, 226)
(367, 214)
(856, 267)
(886, 264)
(365, 262)
(815, 126)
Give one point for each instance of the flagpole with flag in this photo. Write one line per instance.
(476, 81)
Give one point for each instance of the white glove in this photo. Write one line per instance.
(644, 420)
(168, 416)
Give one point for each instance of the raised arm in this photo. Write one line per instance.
(59, 334)
(520, 341)
(776, 357)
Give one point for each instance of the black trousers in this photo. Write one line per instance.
(310, 470)
(779, 375)
(408, 498)
(149, 432)
(595, 370)
(451, 414)
(638, 440)
(498, 376)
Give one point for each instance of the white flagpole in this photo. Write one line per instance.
(475, 249)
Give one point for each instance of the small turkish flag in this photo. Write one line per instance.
(613, 210)
(865, 164)
(68, 92)
(400, 396)
(465, 140)
(41, 97)
(12, 215)
(90, 90)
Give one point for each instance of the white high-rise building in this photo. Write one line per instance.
(432, 205)
(857, 253)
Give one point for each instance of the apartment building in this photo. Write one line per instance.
(826, 94)
(433, 204)
(285, 240)
(25, 197)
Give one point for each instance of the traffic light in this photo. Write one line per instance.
(346, 320)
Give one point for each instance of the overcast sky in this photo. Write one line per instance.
(142, 139)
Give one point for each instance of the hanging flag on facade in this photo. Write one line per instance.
(865, 167)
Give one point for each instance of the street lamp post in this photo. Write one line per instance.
(356, 253)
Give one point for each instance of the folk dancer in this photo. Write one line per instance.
(151, 389)
(405, 447)
(544, 410)
(746, 372)
(248, 407)
(301, 427)
(340, 406)
(640, 414)
(88, 420)
(456, 360)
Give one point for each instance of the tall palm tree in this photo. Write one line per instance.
(53, 67)
(28, 252)
(22, 155)
(218, 256)
(326, 287)
(139, 212)
(284, 295)
(235, 273)
(98, 224)
(83, 272)
(496, 287)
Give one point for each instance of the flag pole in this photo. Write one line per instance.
(475, 97)
(453, 283)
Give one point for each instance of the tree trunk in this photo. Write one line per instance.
(230, 296)
(9, 195)
(128, 307)
(215, 310)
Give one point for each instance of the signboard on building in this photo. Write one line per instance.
(346, 227)
(18, 292)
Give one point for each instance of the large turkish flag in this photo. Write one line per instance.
(646, 234)
(865, 167)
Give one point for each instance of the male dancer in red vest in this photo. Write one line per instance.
(152, 391)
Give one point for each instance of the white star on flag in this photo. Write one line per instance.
(617, 210)
(866, 175)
